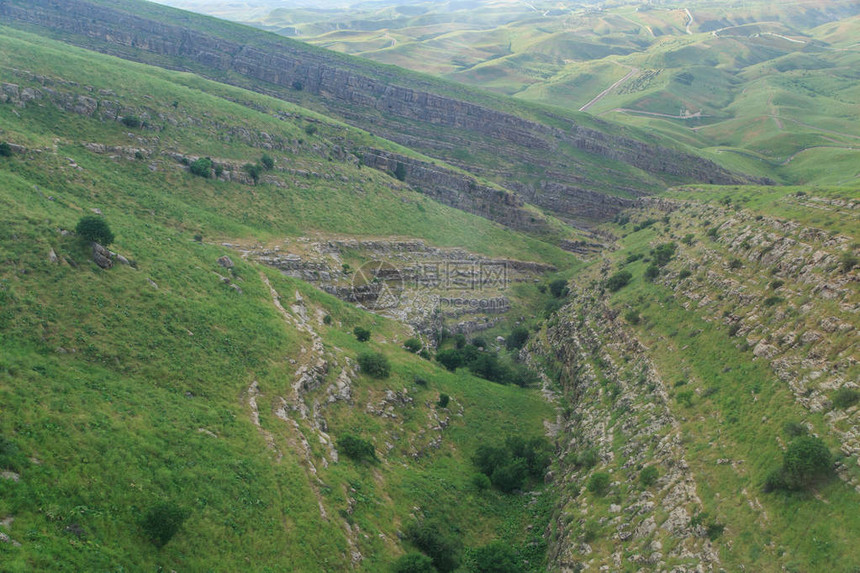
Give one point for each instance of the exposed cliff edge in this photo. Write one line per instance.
(552, 158)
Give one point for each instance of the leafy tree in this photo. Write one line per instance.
(5, 149)
(598, 484)
(443, 400)
(414, 563)
(806, 461)
(558, 288)
(362, 334)
(428, 537)
(202, 167)
(163, 521)
(355, 448)
(496, 557)
(618, 281)
(374, 364)
(413, 345)
(517, 338)
(267, 162)
(95, 229)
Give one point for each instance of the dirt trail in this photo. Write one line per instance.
(601, 95)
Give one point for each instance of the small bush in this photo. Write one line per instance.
(844, 398)
(327, 319)
(618, 281)
(131, 121)
(558, 288)
(587, 458)
(254, 170)
(414, 563)
(664, 253)
(442, 550)
(95, 229)
(772, 300)
(481, 481)
(400, 172)
(652, 273)
(648, 476)
(632, 317)
(267, 162)
(355, 448)
(496, 557)
(310, 129)
(374, 364)
(443, 400)
(735, 264)
(5, 149)
(420, 381)
(598, 484)
(413, 345)
(162, 522)
(517, 338)
(794, 429)
(361, 334)
(849, 261)
(684, 274)
(685, 398)
(202, 167)
(689, 239)
(775, 284)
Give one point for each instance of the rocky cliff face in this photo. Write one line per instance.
(557, 160)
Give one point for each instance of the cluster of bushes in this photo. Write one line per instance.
(510, 465)
(254, 170)
(443, 551)
(618, 281)
(806, 461)
(485, 364)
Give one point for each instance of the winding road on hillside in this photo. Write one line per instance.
(601, 95)
(690, 21)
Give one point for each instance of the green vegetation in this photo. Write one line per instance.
(428, 537)
(5, 149)
(374, 364)
(509, 466)
(361, 334)
(618, 281)
(806, 462)
(201, 167)
(599, 483)
(94, 229)
(357, 449)
(845, 398)
(413, 563)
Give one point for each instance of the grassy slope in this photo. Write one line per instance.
(107, 381)
(739, 405)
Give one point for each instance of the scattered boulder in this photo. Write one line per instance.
(225, 262)
(101, 256)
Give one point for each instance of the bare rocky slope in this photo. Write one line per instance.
(562, 163)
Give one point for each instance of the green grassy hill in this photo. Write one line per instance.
(225, 392)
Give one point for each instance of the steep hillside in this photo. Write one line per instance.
(552, 159)
(687, 383)
(174, 376)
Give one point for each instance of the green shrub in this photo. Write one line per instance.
(5, 149)
(450, 359)
(327, 319)
(496, 557)
(202, 167)
(662, 254)
(689, 239)
(443, 400)
(648, 476)
(267, 162)
(414, 563)
(598, 483)
(131, 121)
(587, 458)
(558, 288)
(652, 273)
(772, 300)
(374, 364)
(794, 429)
(481, 481)
(413, 345)
(806, 461)
(162, 522)
(632, 317)
(685, 398)
(735, 264)
(775, 284)
(684, 274)
(442, 550)
(618, 281)
(11, 456)
(310, 129)
(400, 172)
(95, 229)
(517, 338)
(254, 170)
(355, 448)
(849, 261)
(844, 398)
(362, 334)
(510, 476)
